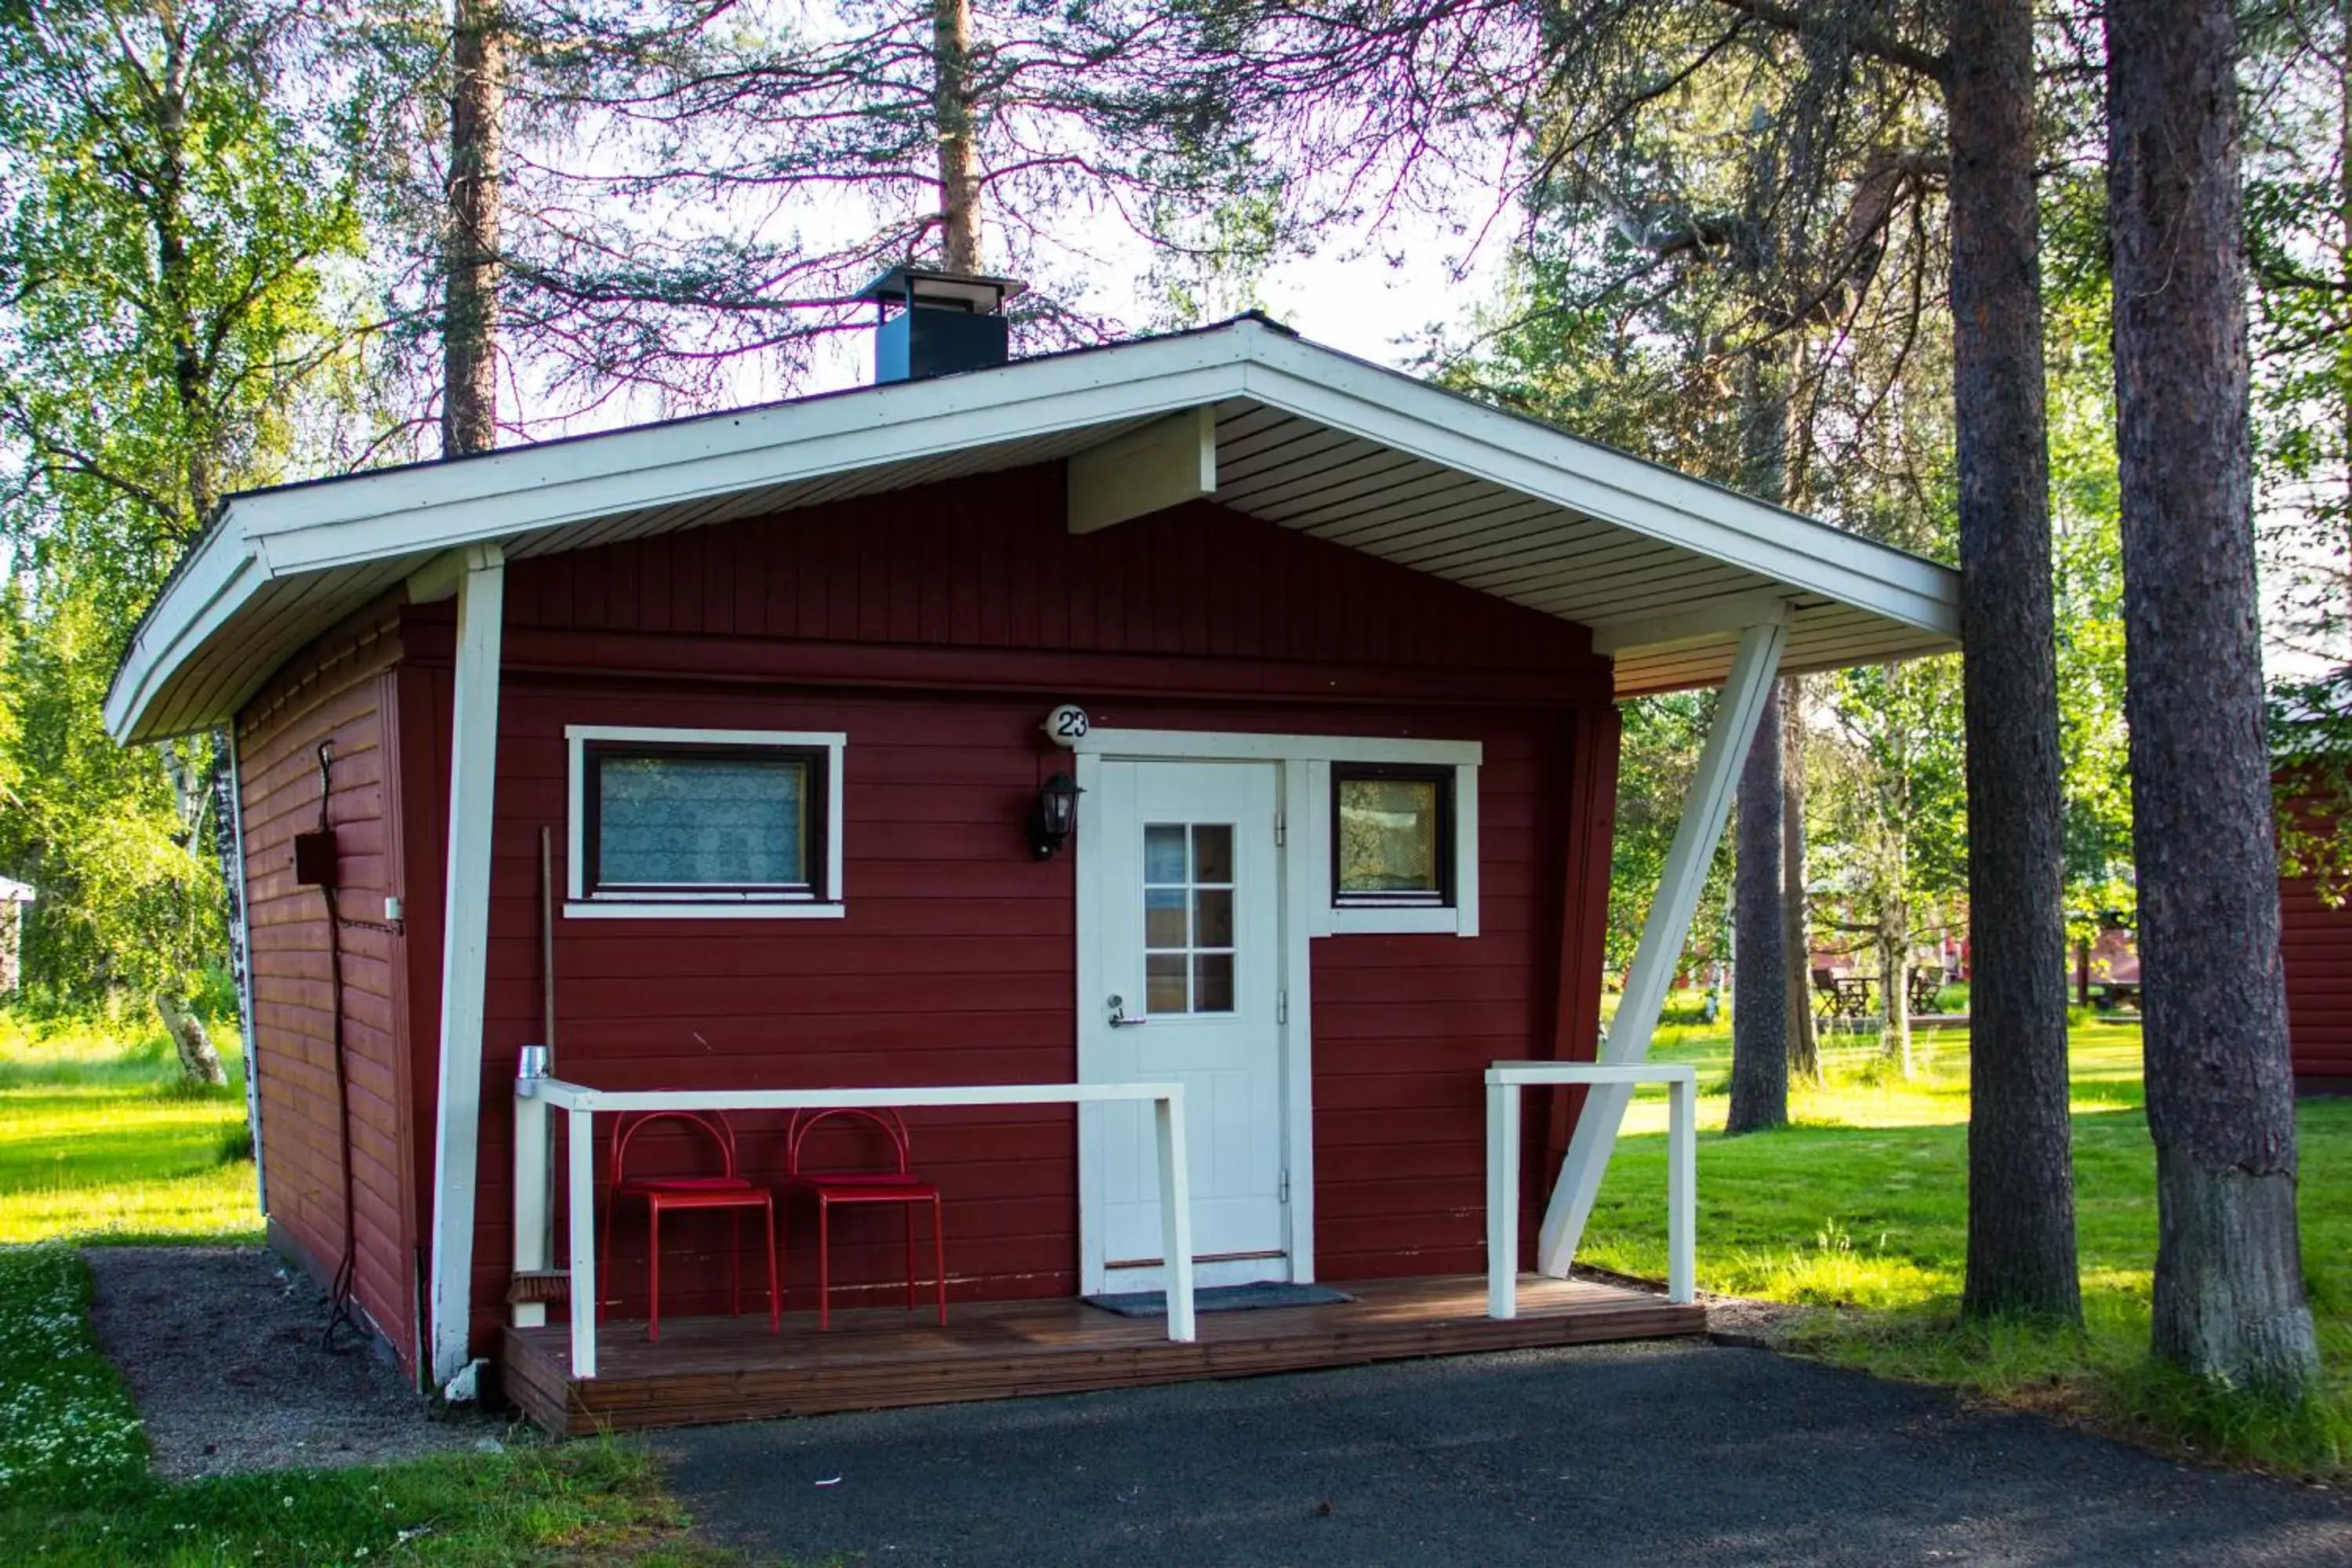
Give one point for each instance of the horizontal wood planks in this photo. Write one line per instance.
(987, 562)
(337, 693)
(726, 1369)
(2315, 941)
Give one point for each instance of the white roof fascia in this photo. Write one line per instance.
(500, 495)
(1393, 409)
(216, 582)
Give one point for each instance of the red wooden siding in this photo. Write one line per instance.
(338, 692)
(2315, 939)
(934, 627)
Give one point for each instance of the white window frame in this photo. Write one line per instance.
(1310, 819)
(579, 904)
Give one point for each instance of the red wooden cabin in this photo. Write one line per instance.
(774, 686)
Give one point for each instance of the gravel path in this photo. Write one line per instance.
(220, 1346)
(1690, 1453)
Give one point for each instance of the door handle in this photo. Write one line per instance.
(1119, 1018)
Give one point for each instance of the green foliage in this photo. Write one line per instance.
(2298, 217)
(2086, 564)
(1897, 829)
(1662, 736)
(180, 200)
(122, 850)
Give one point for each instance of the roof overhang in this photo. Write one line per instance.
(1665, 568)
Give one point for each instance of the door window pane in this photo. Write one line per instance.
(1212, 922)
(1164, 853)
(1212, 852)
(1213, 983)
(1163, 984)
(1164, 917)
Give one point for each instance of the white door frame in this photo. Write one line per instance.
(1303, 898)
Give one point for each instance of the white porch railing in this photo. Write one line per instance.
(1504, 1080)
(535, 1095)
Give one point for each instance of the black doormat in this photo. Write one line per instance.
(1221, 1298)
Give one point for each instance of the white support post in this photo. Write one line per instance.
(1740, 706)
(1502, 1199)
(579, 1137)
(464, 953)
(1682, 1190)
(1176, 1216)
(532, 1195)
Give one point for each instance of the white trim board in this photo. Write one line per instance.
(1307, 813)
(464, 956)
(551, 495)
(1294, 1030)
(720, 906)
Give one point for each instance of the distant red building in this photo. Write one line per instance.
(2315, 939)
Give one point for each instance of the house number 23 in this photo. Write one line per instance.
(1066, 724)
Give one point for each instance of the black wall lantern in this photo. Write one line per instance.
(1056, 817)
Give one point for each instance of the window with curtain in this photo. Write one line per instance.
(1391, 837)
(679, 819)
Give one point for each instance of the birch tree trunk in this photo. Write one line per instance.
(227, 844)
(199, 1063)
(959, 145)
(2221, 1101)
(469, 326)
(2020, 1159)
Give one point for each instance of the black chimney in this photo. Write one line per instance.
(936, 324)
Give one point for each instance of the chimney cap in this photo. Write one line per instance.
(972, 292)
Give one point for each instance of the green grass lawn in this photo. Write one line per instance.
(1860, 1205)
(99, 1145)
(98, 1141)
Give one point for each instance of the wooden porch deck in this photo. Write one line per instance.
(709, 1370)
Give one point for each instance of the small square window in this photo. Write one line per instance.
(1391, 838)
(678, 821)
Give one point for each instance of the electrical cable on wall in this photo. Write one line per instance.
(317, 865)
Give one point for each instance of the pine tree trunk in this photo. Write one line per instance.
(199, 1063)
(2021, 1161)
(958, 148)
(469, 326)
(1759, 1021)
(2229, 1278)
(1759, 1042)
(1796, 912)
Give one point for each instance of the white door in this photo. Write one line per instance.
(1187, 981)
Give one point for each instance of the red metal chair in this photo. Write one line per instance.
(899, 1186)
(728, 1190)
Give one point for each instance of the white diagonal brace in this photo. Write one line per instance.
(465, 952)
(1736, 712)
